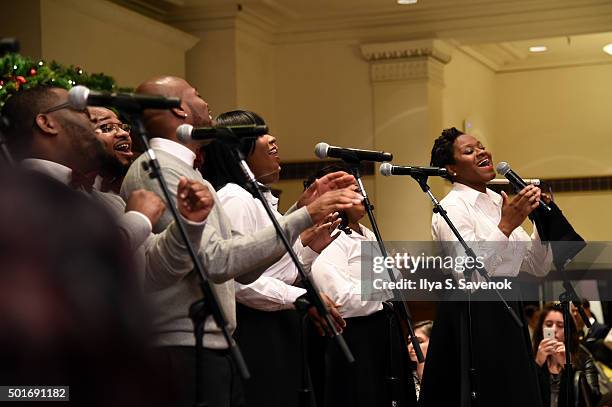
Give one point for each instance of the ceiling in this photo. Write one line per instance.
(497, 32)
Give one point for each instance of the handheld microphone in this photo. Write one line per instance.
(186, 133)
(503, 168)
(387, 170)
(80, 97)
(323, 150)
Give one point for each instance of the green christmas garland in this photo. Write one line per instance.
(19, 72)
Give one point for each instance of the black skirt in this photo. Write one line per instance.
(380, 374)
(502, 356)
(271, 343)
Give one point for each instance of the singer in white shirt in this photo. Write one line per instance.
(372, 329)
(268, 327)
(500, 350)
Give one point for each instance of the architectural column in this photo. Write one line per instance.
(407, 81)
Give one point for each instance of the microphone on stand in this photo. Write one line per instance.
(324, 150)
(387, 170)
(80, 97)
(186, 133)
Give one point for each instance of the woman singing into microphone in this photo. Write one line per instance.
(500, 351)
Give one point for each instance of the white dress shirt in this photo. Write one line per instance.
(172, 147)
(273, 290)
(337, 273)
(476, 216)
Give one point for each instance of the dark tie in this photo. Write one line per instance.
(199, 159)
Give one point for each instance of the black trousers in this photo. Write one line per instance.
(175, 372)
(272, 343)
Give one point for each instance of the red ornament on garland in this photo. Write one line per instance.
(32, 72)
(19, 80)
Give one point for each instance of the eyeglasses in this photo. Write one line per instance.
(62, 106)
(114, 127)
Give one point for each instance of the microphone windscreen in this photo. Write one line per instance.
(502, 168)
(183, 133)
(321, 150)
(77, 97)
(386, 169)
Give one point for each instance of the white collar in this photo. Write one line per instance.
(172, 147)
(473, 195)
(58, 171)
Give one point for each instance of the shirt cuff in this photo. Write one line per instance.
(307, 255)
(292, 294)
(192, 223)
(137, 228)
(144, 217)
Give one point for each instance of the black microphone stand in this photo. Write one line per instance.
(227, 136)
(421, 178)
(309, 285)
(209, 305)
(403, 310)
(568, 295)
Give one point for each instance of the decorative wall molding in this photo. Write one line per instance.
(412, 69)
(385, 51)
(407, 60)
(469, 22)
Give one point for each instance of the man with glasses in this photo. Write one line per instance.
(115, 137)
(48, 136)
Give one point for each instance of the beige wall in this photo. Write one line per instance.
(255, 76)
(322, 93)
(545, 123)
(556, 123)
(470, 95)
(103, 37)
(22, 21)
(211, 68)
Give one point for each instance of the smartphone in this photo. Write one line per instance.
(549, 332)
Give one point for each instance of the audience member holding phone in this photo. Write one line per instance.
(549, 351)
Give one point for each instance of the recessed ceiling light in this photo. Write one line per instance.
(608, 48)
(538, 48)
(406, 1)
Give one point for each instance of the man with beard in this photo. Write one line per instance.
(51, 137)
(115, 136)
(224, 256)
